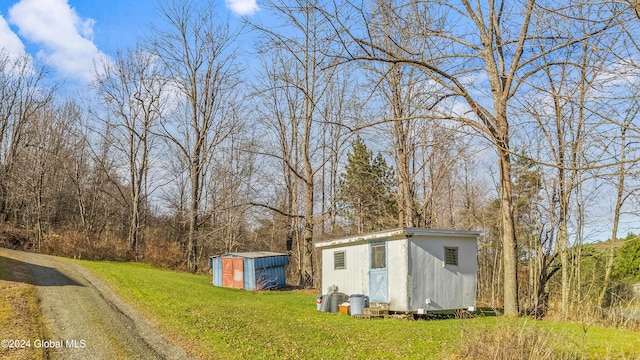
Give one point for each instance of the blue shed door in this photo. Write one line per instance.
(378, 275)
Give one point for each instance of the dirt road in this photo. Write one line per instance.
(84, 319)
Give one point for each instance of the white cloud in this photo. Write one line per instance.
(9, 40)
(65, 37)
(242, 7)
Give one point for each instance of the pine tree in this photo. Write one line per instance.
(366, 192)
(627, 263)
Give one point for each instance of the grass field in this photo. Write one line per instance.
(212, 322)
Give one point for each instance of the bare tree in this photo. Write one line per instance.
(196, 49)
(622, 194)
(563, 126)
(583, 104)
(472, 45)
(624, 115)
(131, 89)
(99, 184)
(228, 190)
(23, 94)
(278, 122)
(342, 106)
(303, 79)
(41, 163)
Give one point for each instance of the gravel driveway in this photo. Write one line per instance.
(84, 319)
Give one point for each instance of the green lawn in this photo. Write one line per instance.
(213, 322)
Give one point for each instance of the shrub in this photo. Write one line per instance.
(12, 238)
(164, 254)
(507, 342)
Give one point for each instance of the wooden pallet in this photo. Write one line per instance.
(376, 311)
(379, 305)
(373, 313)
(361, 316)
(369, 316)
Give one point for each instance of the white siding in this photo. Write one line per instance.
(447, 287)
(415, 268)
(354, 278)
(397, 265)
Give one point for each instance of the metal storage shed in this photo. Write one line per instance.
(249, 270)
(411, 269)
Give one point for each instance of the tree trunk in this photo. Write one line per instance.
(405, 198)
(192, 244)
(616, 220)
(307, 255)
(134, 224)
(510, 256)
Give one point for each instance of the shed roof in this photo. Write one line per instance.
(252, 254)
(396, 234)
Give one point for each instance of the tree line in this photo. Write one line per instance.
(518, 119)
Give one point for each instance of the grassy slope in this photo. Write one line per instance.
(213, 322)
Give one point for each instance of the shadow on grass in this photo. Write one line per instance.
(18, 271)
(487, 311)
(459, 314)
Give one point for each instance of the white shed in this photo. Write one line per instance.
(411, 269)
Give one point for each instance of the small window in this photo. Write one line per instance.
(451, 256)
(378, 256)
(339, 261)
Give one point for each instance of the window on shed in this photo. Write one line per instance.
(451, 256)
(378, 256)
(339, 260)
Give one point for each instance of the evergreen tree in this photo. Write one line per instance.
(366, 192)
(627, 264)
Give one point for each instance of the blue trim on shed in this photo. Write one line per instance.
(216, 268)
(249, 274)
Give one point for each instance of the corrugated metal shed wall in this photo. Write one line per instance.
(216, 267)
(260, 270)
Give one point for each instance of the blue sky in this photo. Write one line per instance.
(70, 35)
